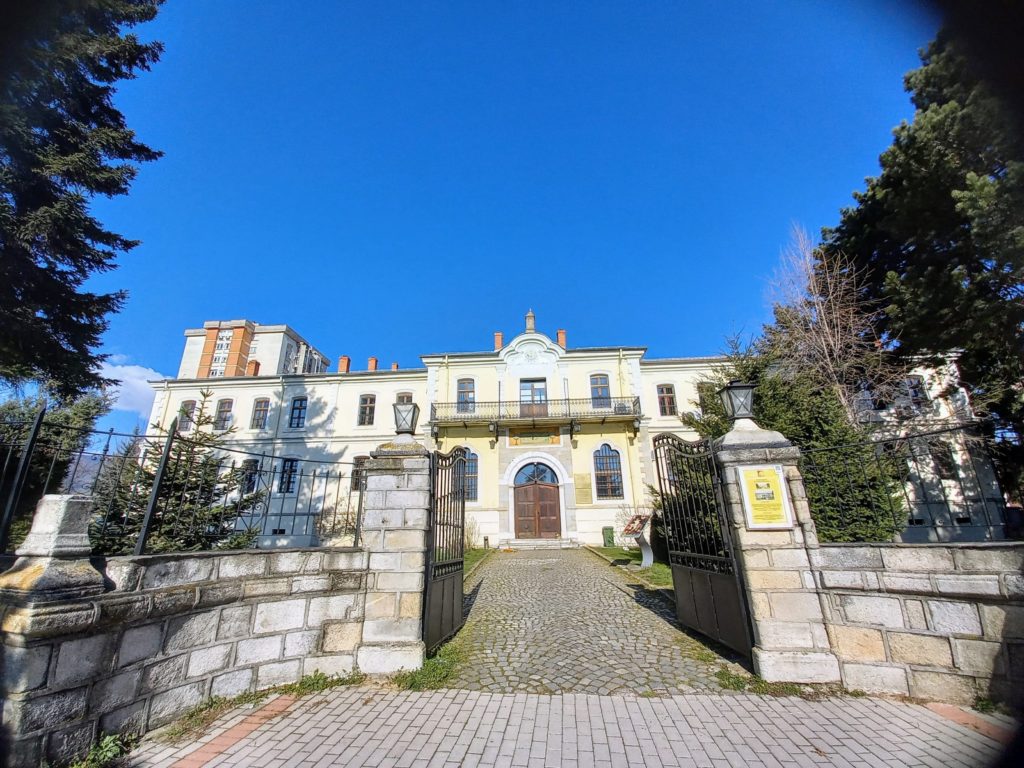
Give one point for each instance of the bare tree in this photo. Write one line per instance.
(825, 328)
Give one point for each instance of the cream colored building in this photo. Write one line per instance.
(559, 436)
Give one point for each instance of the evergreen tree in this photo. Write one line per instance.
(939, 234)
(207, 499)
(64, 436)
(853, 492)
(62, 140)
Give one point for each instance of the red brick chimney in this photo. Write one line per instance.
(344, 363)
(394, 366)
(499, 340)
(561, 338)
(371, 364)
(252, 368)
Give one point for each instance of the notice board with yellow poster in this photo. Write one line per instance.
(765, 499)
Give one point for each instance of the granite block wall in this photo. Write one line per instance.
(941, 622)
(173, 631)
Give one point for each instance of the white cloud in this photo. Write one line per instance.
(132, 394)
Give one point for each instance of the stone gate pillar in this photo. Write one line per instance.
(786, 610)
(394, 525)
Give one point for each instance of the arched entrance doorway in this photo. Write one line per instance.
(537, 515)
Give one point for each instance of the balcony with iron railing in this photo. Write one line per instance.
(545, 411)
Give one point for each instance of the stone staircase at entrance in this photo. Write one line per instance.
(538, 544)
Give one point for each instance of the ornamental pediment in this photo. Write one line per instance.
(531, 350)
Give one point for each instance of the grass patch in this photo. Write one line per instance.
(108, 751)
(659, 574)
(201, 716)
(473, 556)
(435, 672)
(733, 681)
(984, 705)
(740, 681)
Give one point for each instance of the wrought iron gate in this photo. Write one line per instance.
(442, 594)
(709, 596)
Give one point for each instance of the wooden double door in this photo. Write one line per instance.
(537, 511)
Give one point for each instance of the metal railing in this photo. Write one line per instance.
(626, 408)
(169, 493)
(937, 486)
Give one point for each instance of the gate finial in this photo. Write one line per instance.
(530, 322)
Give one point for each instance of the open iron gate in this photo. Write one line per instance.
(442, 594)
(709, 596)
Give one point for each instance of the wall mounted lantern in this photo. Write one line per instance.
(738, 398)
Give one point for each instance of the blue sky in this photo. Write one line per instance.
(393, 179)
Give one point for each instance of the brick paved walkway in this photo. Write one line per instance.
(560, 621)
(391, 729)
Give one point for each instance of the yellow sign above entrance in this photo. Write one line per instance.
(535, 437)
(765, 499)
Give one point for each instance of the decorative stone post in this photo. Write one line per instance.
(53, 561)
(41, 595)
(395, 520)
(772, 533)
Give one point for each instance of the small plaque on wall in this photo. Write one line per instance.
(765, 498)
(584, 493)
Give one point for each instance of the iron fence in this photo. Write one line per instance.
(937, 486)
(168, 493)
(528, 410)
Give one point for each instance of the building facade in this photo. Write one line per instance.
(559, 438)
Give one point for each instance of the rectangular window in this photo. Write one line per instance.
(250, 473)
(403, 398)
(533, 397)
(945, 463)
(367, 405)
(471, 482)
(260, 413)
(358, 474)
(223, 418)
(666, 400)
(466, 396)
(289, 473)
(187, 416)
(600, 392)
(297, 418)
(915, 390)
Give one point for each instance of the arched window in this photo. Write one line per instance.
(607, 473)
(600, 393)
(536, 473)
(260, 413)
(667, 400)
(471, 483)
(187, 416)
(367, 405)
(403, 398)
(223, 418)
(466, 396)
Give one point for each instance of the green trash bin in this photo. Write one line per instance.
(609, 536)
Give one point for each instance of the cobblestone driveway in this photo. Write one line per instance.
(561, 621)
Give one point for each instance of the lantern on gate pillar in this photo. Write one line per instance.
(738, 399)
(406, 415)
